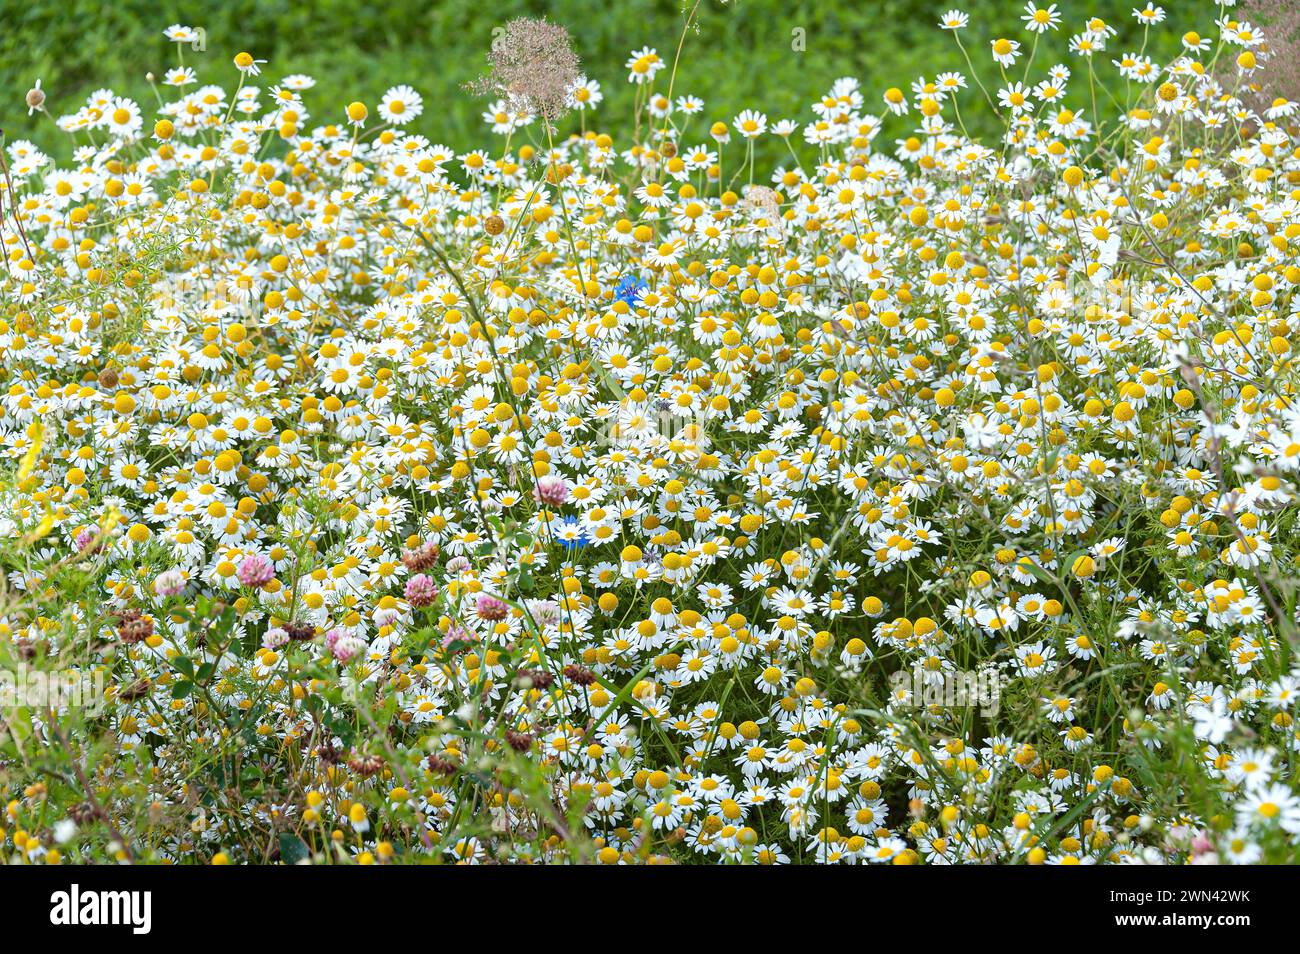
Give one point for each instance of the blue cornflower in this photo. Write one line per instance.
(571, 534)
(629, 290)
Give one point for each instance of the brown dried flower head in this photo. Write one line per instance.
(441, 766)
(135, 690)
(421, 558)
(133, 627)
(534, 679)
(300, 632)
(579, 675)
(366, 765)
(519, 741)
(533, 66)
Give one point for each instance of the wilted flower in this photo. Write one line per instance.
(35, 99)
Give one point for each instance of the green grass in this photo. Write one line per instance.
(740, 56)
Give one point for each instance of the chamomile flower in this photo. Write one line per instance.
(400, 105)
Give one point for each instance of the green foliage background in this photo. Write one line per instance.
(739, 57)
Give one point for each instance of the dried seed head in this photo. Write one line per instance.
(422, 558)
(579, 675)
(365, 765)
(533, 65)
(35, 98)
(83, 813)
(135, 690)
(300, 632)
(494, 225)
(440, 766)
(519, 741)
(534, 679)
(133, 627)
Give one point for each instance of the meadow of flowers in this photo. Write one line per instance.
(918, 500)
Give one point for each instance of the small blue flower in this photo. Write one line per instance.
(629, 290)
(570, 534)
